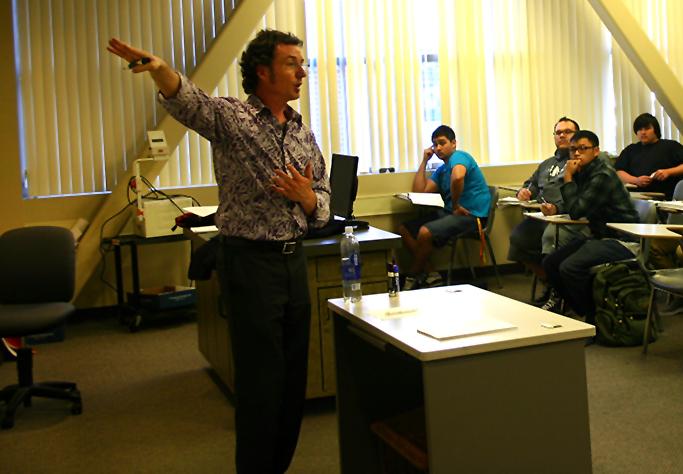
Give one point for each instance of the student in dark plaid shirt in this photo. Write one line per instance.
(591, 190)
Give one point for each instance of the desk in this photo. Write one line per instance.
(132, 241)
(324, 281)
(558, 220)
(645, 232)
(646, 195)
(508, 401)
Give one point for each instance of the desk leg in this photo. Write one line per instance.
(373, 383)
(119, 277)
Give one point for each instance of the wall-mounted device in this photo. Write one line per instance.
(156, 143)
(153, 217)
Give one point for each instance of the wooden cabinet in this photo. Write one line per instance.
(324, 280)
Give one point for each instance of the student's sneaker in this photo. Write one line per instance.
(554, 303)
(433, 279)
(540, 301)
(411, 283)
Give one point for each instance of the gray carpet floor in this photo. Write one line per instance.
(151, 405)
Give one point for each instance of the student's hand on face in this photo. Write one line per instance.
(427, 154)
(524, 194)
(643, 181)
(548, 209)
(461, 211)
(572, 167)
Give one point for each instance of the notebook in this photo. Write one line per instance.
(453, 327)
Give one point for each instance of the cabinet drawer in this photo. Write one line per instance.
(373, 265)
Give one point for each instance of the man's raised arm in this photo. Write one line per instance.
(166, 79)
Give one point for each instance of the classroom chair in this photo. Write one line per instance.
(475, 236)
(37, 282)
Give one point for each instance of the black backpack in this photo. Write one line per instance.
(621, 292)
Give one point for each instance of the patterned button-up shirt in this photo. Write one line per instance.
(248, 145)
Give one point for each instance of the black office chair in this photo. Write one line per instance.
(475, 235)
(37, 280)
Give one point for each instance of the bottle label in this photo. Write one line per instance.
(351, 268)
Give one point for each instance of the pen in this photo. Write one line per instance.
(137, 62)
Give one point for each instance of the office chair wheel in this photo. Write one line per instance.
(135, 323)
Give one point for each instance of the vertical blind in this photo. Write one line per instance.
(83, 116)
(499, 71)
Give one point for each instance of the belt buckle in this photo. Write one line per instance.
(288, 248)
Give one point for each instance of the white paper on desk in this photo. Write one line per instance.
(452, 327)
(422, 199)
(550, 218)
(677, 205)
(513, 201)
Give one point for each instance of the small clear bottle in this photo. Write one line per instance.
(393, 276)
(350, 266)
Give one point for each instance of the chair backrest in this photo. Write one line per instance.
(38, 265)
(647, 211)
(677, 196)
(492, 209)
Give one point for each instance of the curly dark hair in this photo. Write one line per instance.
(260, 51)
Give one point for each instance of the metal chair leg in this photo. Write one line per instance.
(450, 262)
(493, 260)
(648, 320)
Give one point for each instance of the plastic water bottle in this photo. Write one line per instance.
(350, 266)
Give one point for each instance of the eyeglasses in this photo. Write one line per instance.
(564, 132)
(580, 149)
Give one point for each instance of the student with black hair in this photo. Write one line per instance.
(591, 190)
(466, 200)
(653, 164)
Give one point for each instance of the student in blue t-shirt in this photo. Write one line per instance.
(465, 195)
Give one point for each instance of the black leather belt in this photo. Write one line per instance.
(279, 246)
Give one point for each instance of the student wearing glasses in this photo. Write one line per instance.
(527, 242)
(591, 189)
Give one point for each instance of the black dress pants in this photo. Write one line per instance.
(265, 292)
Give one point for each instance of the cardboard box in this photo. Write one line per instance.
(165, 297)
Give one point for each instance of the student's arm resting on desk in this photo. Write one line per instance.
(664, 174)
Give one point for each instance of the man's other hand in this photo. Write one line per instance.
(643, 181)
(548, 209)
(460, 211)
(524, 194)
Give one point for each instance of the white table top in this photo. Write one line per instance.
(647, 231)
(563, 219)
(396, 320)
